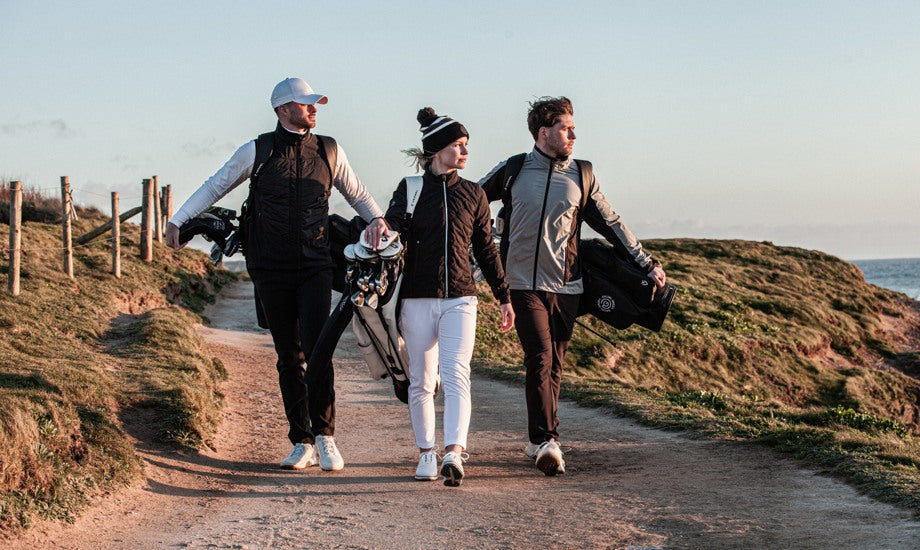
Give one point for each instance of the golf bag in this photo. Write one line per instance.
(215, 225)
(370, 288)
(618, 292)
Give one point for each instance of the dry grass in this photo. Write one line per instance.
(37, 207)
(780, 345)
(79, 357)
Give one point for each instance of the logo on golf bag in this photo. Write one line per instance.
(605, 303)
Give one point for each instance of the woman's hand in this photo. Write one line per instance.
(507, 320)
(375, 232)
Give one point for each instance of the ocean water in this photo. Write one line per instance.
(902, 275)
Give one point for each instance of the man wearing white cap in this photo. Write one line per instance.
(286, 241)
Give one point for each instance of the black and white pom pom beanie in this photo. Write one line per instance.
(438, 131)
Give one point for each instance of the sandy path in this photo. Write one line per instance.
(626, 485)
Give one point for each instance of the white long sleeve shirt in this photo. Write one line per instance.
(238, 169)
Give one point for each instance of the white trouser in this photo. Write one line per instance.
(439, 332)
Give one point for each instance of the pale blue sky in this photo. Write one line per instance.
(794, 122)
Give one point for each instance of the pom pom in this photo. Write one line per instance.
(426, 116)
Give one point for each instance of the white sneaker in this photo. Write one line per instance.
(531, 449)
(452, 468)
(427, 466)
(329, 457)
(302, 456)
(549, 459)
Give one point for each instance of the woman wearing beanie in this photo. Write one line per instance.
(438, 294)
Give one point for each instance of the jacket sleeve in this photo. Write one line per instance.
(347, 182)
(234, 172)
(491, 183)
(485, 251)
(600, 216)
(396, 212)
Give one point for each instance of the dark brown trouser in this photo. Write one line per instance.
(296, 305)
(544, 323)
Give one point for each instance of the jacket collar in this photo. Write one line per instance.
(545, 161)
(451, 178)
(287, 137)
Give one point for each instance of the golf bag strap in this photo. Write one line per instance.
(265, 144)
(586, 171)
(330, 152)
(413, 191)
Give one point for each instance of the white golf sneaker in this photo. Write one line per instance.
(452, 468)
(549, 459)
(531, 449)
(329, 457)
(301, 456)
(427, 469)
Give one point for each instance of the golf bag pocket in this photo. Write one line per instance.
(375, 362)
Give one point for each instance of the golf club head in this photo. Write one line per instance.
(371, 301)
(363, 253)
(392, 251)
(217, 255)
(358, 298)
(385, 241)
(349, 252)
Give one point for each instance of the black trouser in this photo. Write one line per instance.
(544, 323)
(296, 305)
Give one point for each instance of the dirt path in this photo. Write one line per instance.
(626, 485)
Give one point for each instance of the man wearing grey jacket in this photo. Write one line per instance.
(542, 217)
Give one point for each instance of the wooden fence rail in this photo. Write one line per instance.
(102, 229)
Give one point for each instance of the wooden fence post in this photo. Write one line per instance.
(169, 203)
(66, 236)
(116, 237)
(163, 218)
(157, 210)
(15, 235)
(147, 223)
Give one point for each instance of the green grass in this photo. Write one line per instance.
(79, 359)
(774, 345)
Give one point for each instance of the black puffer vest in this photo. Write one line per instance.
(291, 206)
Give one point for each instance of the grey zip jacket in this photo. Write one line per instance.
(544, 224)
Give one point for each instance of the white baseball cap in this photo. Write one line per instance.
(296, 90)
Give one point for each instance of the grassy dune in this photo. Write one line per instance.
(80, 359)
(782, 346)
